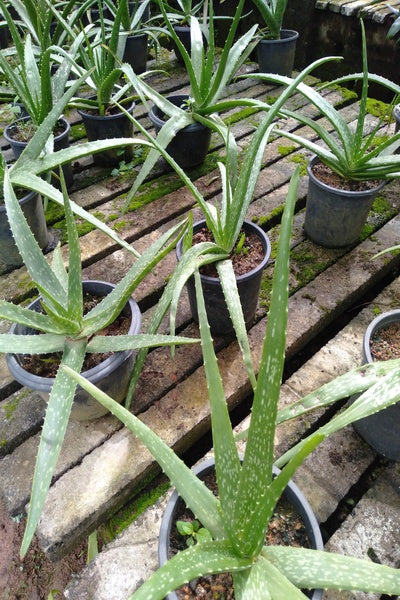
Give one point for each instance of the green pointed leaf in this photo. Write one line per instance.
(28, 247)
(384, 393)
(260, 443)
(352, 382)
(231, 294)
(31, 344)
(316, 569)
(29, 318)
(51, 439)
(116, 343)
(227, 464)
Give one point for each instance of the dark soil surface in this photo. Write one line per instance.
(385, 343)
(285, 528)
(243, 261)
(327, 176)
(35, 577)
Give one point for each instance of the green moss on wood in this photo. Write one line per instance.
(127, 515)
(378, 109)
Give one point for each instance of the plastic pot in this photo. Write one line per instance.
(100, 127)
(32, 207)
(135, 52)
(382, 429)
(111, 375)
(190, 145)
(334, 217)
(61, 141)
(248, 287)
(292, 493)
(277, 56)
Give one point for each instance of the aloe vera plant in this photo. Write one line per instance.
(28, 75)
(272, 13)
(98, 53)
(351, 152)
(248, 493)
(66, 329)
(207, 82)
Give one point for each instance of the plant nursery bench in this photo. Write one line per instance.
(334, 294)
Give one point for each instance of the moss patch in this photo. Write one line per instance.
(302, 161)
(378, 109)
(127, 515)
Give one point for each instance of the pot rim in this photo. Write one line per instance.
(28, 196)
(340, 192)
(239, 278)
(95, 373)
(289, 35)
(94, 117)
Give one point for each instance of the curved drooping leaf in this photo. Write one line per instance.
(317, 569)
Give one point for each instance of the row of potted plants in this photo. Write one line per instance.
(235, 520)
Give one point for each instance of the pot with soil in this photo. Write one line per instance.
(248, 266)
(190, 145)
(293, 523)
(277, 55)
(112, 125)
(336, 209)
(19, 133)
(382, 342)
(111, 373)
(32, 207)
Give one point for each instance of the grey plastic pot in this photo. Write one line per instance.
(190, 145)
(32, 207)
(248, 288)
(334, 217)
(112, 375)
(277, 56)
(61, 141)
(292, 493)
(381, 430)
(100, 127)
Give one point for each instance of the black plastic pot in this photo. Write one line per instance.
(248, 287)
(61, 141)
(190, 145)
(381, 430)
(32, 207)
(277, 56)
(135, 52)
(112, 375)
(101, 127)
(334, 217)
(292, 493)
